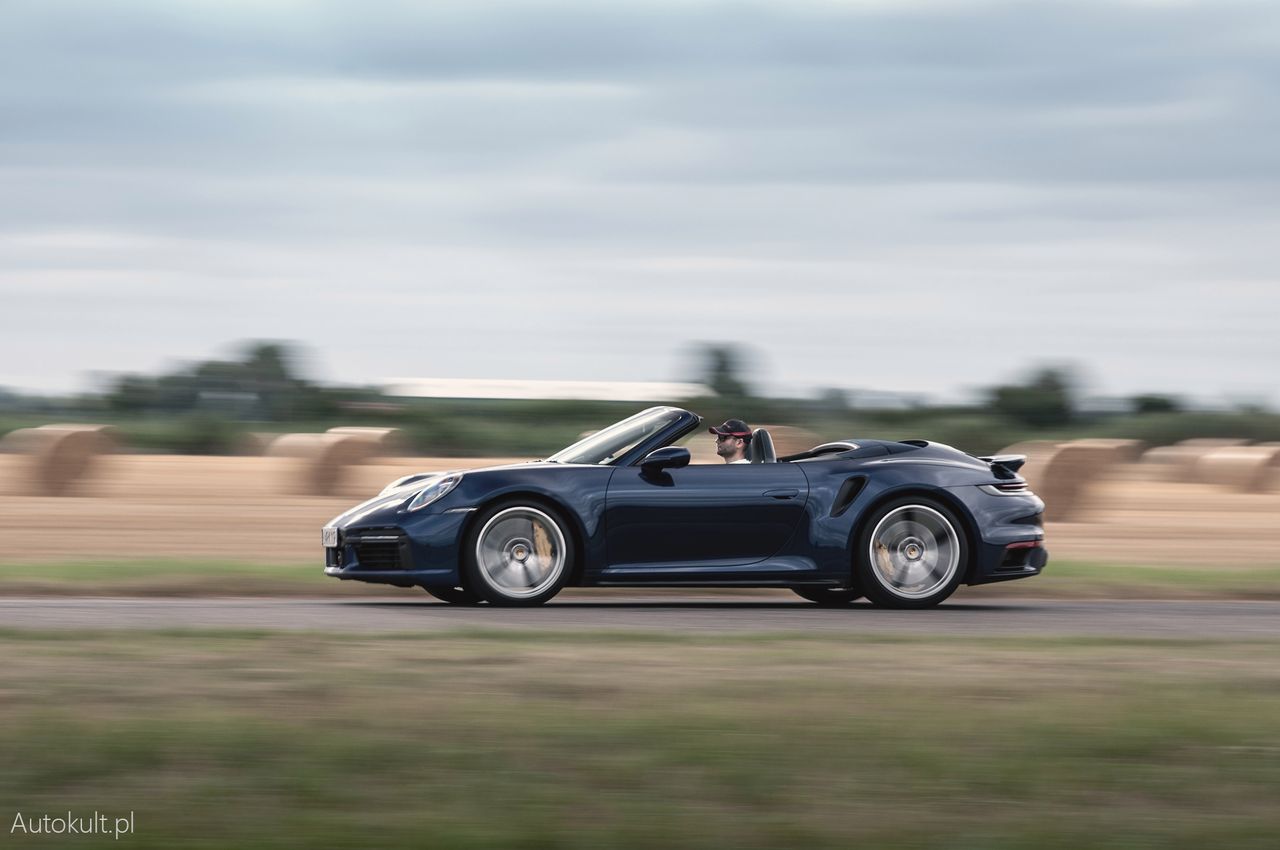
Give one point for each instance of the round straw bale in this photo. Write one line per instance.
(1213, 442)
(1174, 463)
(1180, 462)
(1065, 477)
(1037, 453)
(254, 443)
(320, 460)
(1115, 450)
(60, 456)
(293, 445)
(1247, 469)
(383, 441)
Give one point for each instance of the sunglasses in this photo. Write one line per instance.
(720, 438)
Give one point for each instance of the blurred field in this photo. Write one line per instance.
(232, 508)
(188, 506)
(644, 740)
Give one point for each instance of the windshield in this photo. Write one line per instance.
(604, 446)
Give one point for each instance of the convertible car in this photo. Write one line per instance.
(900, 523)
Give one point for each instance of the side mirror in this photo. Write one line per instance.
(671, 457)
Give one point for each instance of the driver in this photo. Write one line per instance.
(732, 439)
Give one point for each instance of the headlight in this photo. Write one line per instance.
(397, 484)
(434, 491)
(420, 479)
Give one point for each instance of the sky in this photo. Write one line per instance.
(915, 197)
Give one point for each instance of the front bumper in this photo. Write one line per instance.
(423, 552)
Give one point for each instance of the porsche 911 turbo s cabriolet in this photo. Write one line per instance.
(901, 523)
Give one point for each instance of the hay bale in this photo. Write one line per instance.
(1180, 463)
(1062, 473)
(1115, 450)
(1037, 453)
(1246, 469)
(58, 457)
(254, 444)
(1213, 442)
(293, 445)
(319, 462)
(1065, 474)
(383, 441)
(1172, 463)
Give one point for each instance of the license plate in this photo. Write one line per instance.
(329, 536)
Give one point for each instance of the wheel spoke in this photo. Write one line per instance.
(500, 571)
(521, 552)
(914, 551)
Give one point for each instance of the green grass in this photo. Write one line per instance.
(167, 577)
(1081, 579)
(545, 741)
(172, 577)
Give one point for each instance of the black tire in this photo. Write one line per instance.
(828, 596)
(453, 595)
(911, 553)
(518, 554)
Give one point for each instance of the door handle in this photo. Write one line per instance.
(782, 494)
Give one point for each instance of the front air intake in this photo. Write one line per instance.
(381, 550)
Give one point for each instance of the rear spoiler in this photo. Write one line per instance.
(1009, 464)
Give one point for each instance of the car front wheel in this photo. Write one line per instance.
(518, 554)
(911, 554)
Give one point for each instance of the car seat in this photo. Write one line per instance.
(760, 449)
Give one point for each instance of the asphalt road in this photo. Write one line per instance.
(692, 613)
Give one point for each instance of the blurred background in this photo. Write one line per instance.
(493, 226)
(921, 199)
(257, 259)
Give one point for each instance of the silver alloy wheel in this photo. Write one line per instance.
(915, 551)
(521, 552)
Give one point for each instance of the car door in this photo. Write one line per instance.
(716, 519)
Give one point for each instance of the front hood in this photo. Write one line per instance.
(400, 491)
(381, 502)
(393, 496)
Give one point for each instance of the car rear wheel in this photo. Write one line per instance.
(828, 595)
(453, 595)
(518, 554)
(911, 554)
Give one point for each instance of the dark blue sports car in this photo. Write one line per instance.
(901, 523)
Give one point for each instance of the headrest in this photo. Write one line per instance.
(760, 449)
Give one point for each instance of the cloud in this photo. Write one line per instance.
(537, 182)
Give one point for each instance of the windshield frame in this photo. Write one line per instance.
(625, 442)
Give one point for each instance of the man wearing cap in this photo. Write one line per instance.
(732, 439)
